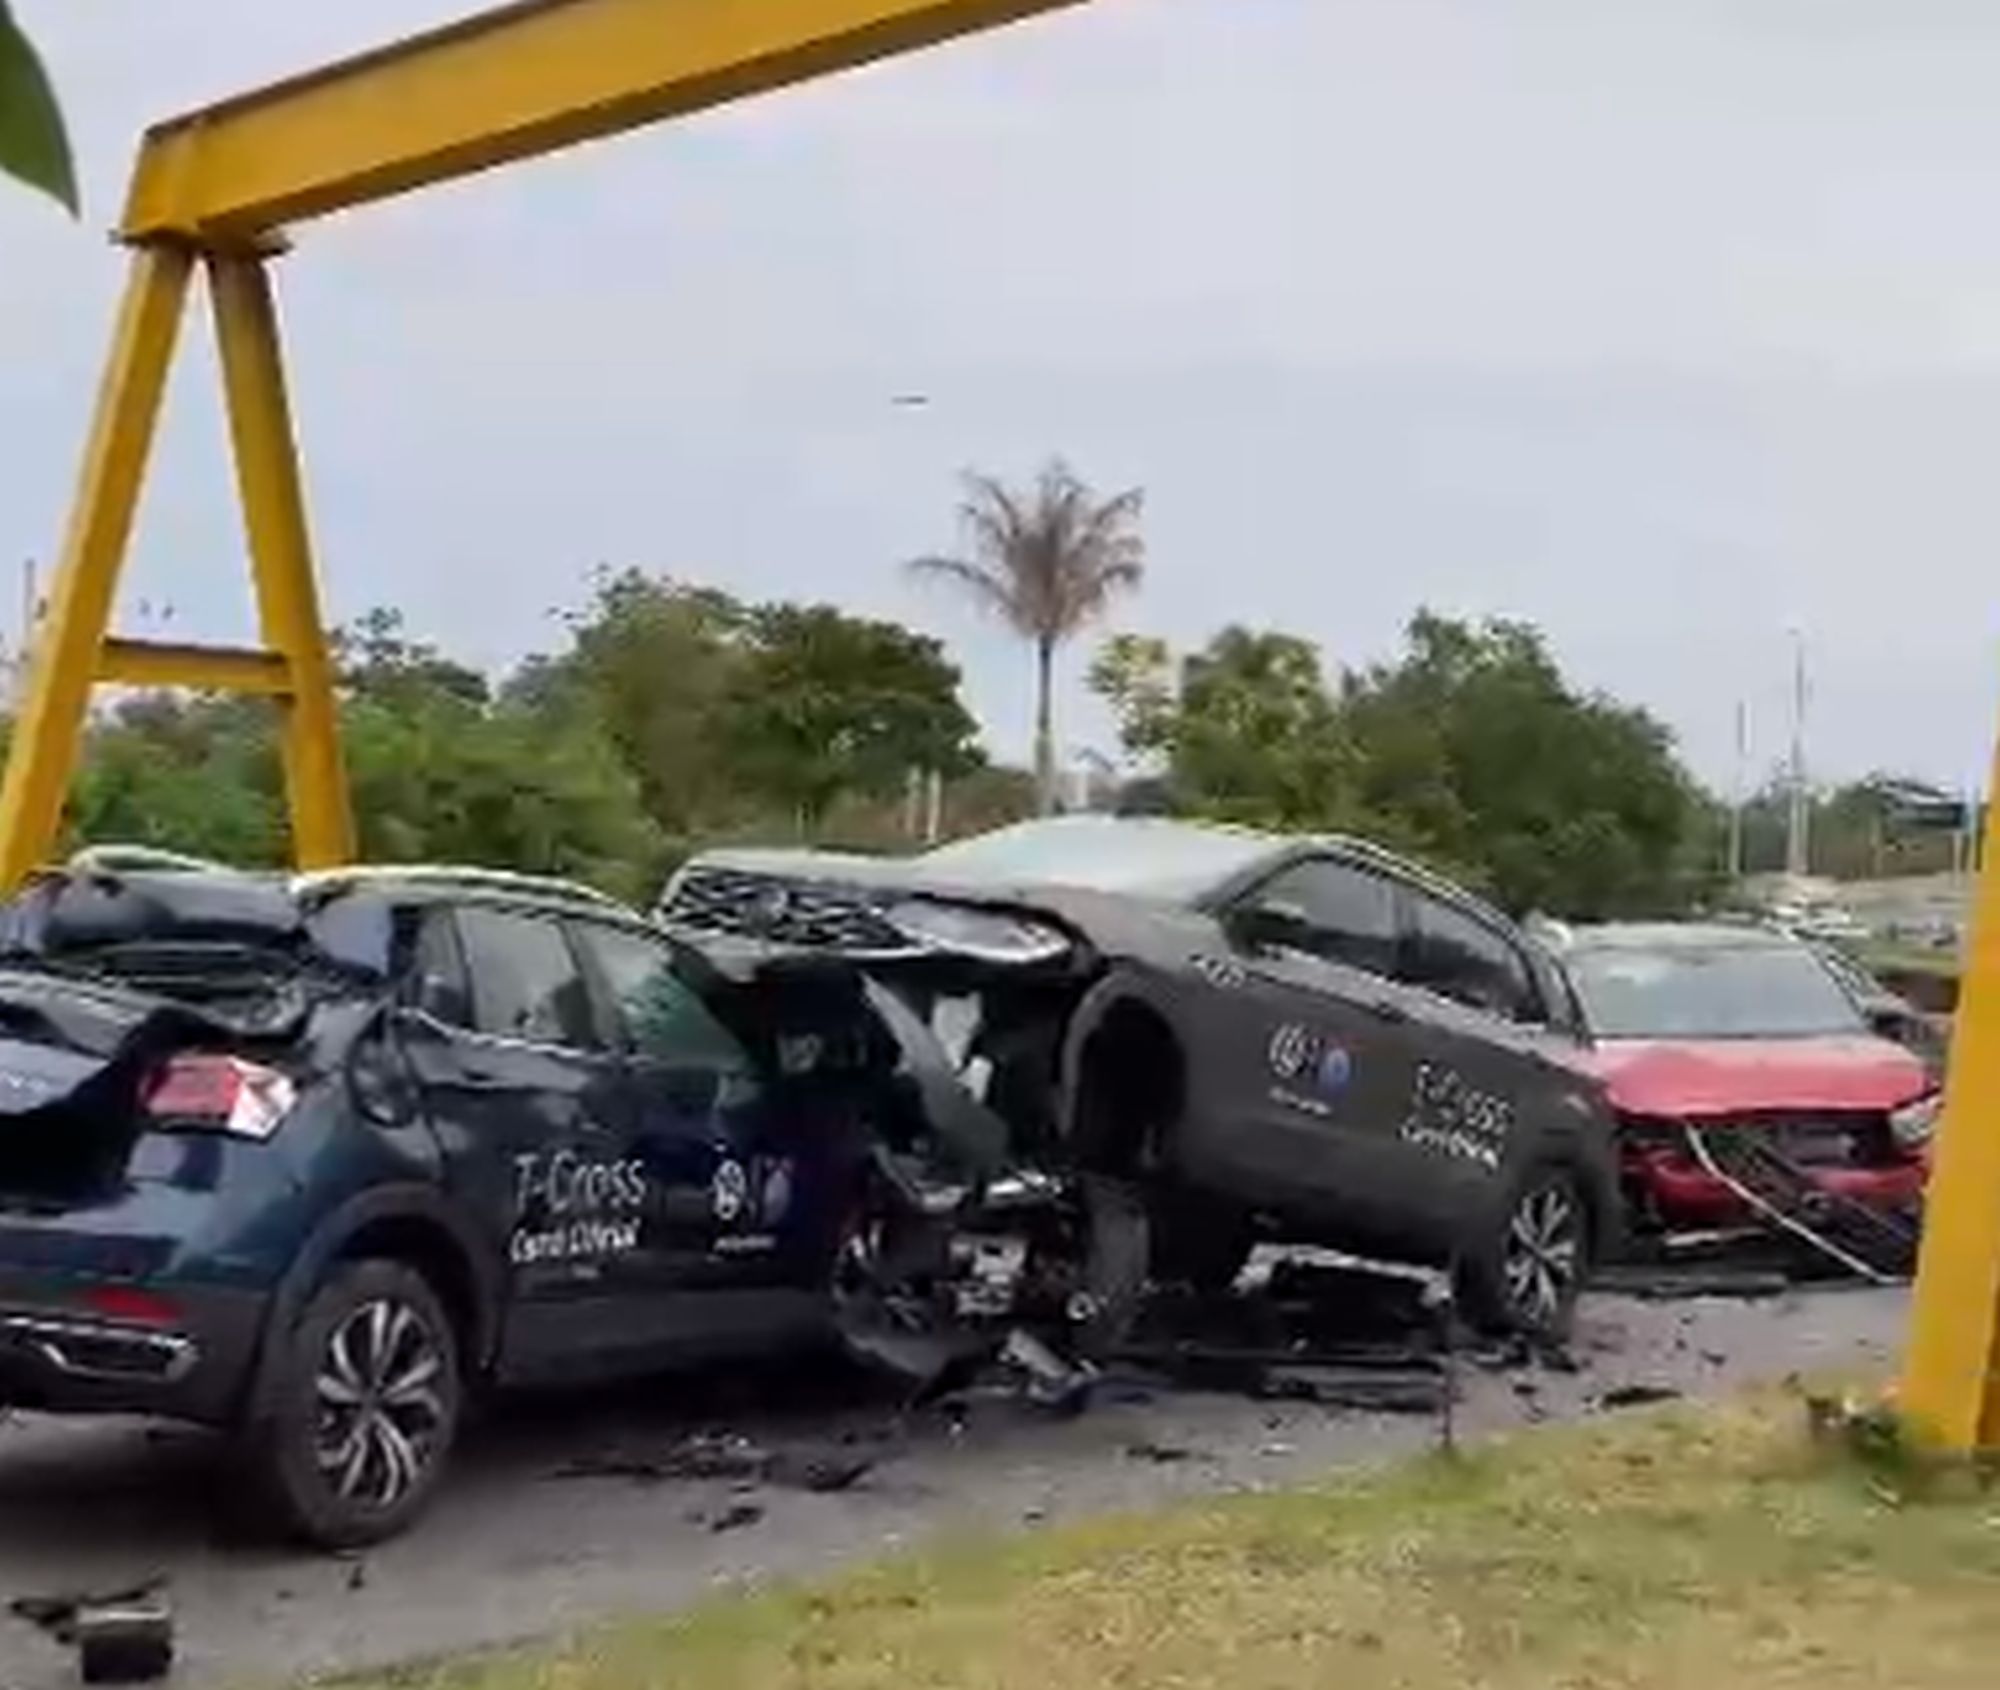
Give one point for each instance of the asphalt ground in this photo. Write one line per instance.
(565, 1510)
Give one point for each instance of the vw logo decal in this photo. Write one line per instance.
(1295, 1052)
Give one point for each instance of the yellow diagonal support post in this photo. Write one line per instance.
(86, 577)
(274, 522)
(1951, 1372)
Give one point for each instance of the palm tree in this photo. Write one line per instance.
(1047, 561)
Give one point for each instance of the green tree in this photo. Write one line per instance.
(1469, 750)
(1565, 802)
(1246, 727)
(824, 704)
(376, 659)
(1047, 561)
(440, 779)
(438, 771)
(652, 665)
(34, 143)
(186, 773)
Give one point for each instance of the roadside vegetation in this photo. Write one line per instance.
(34, 144)
(1714, 1548)
(674, 715)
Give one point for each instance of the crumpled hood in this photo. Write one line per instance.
(887, 876)
(1110, 922)
(1716, 1077)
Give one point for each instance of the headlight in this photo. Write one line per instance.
(985, 935)
(1914, 1123)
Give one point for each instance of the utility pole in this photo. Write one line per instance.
(1736, 797)
(933, 806)
(1798, 843)
(17, 690)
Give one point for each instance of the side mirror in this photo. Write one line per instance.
(1891, 1024)
(1267, 925)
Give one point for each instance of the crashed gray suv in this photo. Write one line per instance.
(1306, 1040)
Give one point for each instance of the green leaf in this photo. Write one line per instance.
(34, 146)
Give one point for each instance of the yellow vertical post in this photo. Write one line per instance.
(65, 658)
(1950, 1389)
(274, 519)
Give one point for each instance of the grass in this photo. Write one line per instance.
(1691, 1549)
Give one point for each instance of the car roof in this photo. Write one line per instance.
(267, 892)
(1277, 846)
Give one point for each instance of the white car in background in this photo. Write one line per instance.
(1830, 924)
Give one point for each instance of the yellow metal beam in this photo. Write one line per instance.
(1951, 1367)
(86, 578)
(274, 521)
(203, 668)
(503, 86)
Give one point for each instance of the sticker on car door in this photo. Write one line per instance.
(1310, 1068)
(1453, 1118)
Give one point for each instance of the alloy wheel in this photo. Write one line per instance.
(381, 1419)
(1543, 1257)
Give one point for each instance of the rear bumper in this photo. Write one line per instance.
(58, 1356)
(1680, 1194)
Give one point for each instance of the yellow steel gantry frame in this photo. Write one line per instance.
(218, 186)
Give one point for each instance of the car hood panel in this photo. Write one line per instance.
(1727, 1077)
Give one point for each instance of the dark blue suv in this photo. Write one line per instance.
(313, 1158)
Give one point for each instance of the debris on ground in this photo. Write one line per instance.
(711, 1455)
(736, 1516)
(1637, 1396)
(124, 1637)
(1163, 1455)
(1048, 1380)
(1667, 1282)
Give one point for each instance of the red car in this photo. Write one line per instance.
(1736, 1030)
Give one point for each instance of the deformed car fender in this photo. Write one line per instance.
(1580, 1133)
(329, 1242)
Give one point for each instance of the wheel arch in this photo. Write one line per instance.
(410, 1224)
(1127, 1018)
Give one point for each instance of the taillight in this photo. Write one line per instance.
(220, 1093)
(131, 1305)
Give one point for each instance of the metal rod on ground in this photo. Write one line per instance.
(1736, 796)
(1444, 1304)
(1698, 1143)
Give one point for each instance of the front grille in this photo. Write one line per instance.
(1824, 1139)
(780, 911)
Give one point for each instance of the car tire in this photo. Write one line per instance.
(1200, 1245)
(1117, 1249)
(1525, 1275)
(363, 1408)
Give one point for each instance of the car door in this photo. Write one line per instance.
(1323, 1034)
(529, 1108)
(722, 1183)
(1486, 1088)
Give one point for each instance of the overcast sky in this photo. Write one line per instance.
(1669, 324)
